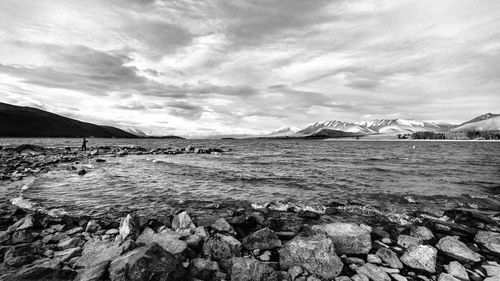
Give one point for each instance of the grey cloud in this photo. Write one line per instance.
(185, 110)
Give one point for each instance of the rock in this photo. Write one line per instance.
(26, 222)
(169, 241)
(66, 255)
(222, 248)
(492, 270)
(96, 272)
(69, 243)
(295, 271)
(371, 258)
(81, 172)
(315, 253)
(342, 278)
(491, 279)
(422, 257)
(447, 277)
(202, 232)
(389, 257)
(386, 241)
(490, 240)
(264, 239)
(182, 221)
(55, 238)
(246, 269)
(398, 277)
(373, 272)
(453, 247)
(266, 256)
(306, 214)
(408, 241)
(457, 270)
(422, 233)
(312, 278)
(130, 227)
(95, 252)
(193, 241)
(222, 226)
(348, 238)
(22, 236)
(359, 277)
(112, 231)
(150, 262)
(203, 269)
(92, 226)
(19, 255)
(4, 237)
(74, 230)
(43, 271)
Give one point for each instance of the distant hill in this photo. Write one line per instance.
(19, 121)
(486, 122)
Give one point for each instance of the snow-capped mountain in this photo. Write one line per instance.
(386, 126)
(484, 122)
(285, 131)
(348, 127)
(134, 131)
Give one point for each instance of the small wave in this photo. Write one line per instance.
(27, 185)
(23, 203)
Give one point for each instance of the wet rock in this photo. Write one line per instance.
(447, 277)
(92, 226)
(66, 255)
(222, 226)
(316, 254)
(222, 248)
(373, 272)
(389, 257)
(246, 269)
(168, 240)
(490, 240)
(150, 262)
(422, 257)
(129, 227)
(19, 255)
(22, 236)
(457, 270)
(306, 214)
(95, 252)
(264, 239)
(422, 233)
(348, 238)
(43, 271)
(408, 241)
(453, 247)
(203, 269)
(81, 172)
(26, 222)
(182, 221)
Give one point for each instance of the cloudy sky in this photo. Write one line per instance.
(205, 67)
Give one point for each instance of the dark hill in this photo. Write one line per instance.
(19, 121)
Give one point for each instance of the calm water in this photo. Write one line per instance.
(379, 173)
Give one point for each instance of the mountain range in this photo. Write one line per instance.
(18, 121)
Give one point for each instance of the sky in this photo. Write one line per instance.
(217, 67)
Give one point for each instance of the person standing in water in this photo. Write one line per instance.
(84, 144)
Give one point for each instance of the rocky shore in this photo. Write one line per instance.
(342, 242)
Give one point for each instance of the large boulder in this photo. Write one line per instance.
(222, 248)
(490, 240)
(182, 221)
(453, 247)
(421, 257)
(247, 269)
(348, 238)
(95, 252)
(203, 269)
(264, 239)
(389, 257)
(408, 241)
(19, 255)
(373, 272)
(315, 253)
(129, 227)
(222, 226)
(457, 270)
(168, 240)
(422, 233)
(149, 262)
(95, 272)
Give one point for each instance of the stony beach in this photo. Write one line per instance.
(344, 242)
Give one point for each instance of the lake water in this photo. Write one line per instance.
(436, 174)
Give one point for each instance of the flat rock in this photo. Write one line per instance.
(489, 239)
(457, 270)
(453, 247)
(422, 257)
(348, 238)
(264, 239)
(150, 262)
(422, 233)
(389, 257)
(315, 253)
(246, 269)
(373, 272)
(408, 241)
(168, 240)
(95, 252)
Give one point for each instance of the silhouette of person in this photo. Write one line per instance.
(84, 145)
